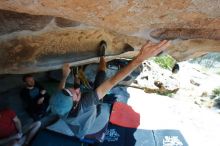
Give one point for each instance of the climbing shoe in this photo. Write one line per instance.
(102, 47)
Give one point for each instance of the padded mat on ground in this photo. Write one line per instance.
(169, 138)
(49, 138)
(122, 136)
(123, 115)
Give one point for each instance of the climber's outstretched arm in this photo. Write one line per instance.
(147, 51)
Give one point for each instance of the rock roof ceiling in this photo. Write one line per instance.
(41, 35)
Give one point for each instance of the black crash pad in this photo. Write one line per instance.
(50, 138)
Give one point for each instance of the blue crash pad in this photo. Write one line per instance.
(169, 138)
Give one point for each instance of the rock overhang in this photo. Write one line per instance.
(42, 35)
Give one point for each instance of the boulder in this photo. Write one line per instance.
(41, 35)
(154, 79)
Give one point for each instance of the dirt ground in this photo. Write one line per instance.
(190, 110)
(200, 126)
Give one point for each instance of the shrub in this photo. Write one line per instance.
(165, 61)
(166, 94)
(216, 92)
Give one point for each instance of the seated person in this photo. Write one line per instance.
(35, 97)
(11, 132)
(67, 99)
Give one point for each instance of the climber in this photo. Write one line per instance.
(68, 99)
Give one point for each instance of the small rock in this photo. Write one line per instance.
(194, 83)
(204, 94)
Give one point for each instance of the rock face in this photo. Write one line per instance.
(42, 35)
(154, 79)
(39, 43)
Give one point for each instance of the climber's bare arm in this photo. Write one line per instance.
(147, 51)
(65, 73)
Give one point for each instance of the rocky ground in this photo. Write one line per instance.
(197, 84)
(198, 125)
(191, 110)
(193, 83)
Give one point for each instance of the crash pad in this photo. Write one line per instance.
(169, 137)
(122, 136)
(123, 115)
(50, 138)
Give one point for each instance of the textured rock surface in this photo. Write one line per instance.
(40, 43)
(184, 33)
(126, 15)
(41, 35)
(154, 79)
